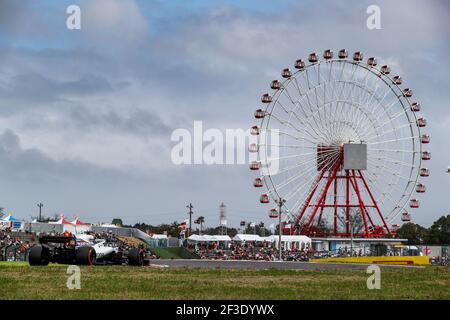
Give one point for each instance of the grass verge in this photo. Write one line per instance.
(18, 281)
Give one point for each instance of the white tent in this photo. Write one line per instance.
(208, 238)
(291, 242)
(11, 222)
(159, 236)
(267, 239)
(195, 237)
(66, 225)
(106, 225)
(221, 238)
(80, 226)
(247, 237)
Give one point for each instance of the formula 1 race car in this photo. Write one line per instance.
(70, 250)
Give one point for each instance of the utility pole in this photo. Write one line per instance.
(280, 203)
(40, 205)
(351, 235)
(190, 207)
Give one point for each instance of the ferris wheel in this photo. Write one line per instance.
(347, 143)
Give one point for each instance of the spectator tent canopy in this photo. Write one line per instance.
(289, 242)
(208, 238)
(11, 222)
(248, 238)
(292, 242)
(158, 236)
(80, 226)
(66, 225)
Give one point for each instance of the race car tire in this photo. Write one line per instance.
(136, 257)
(85, 256)
(36, 258)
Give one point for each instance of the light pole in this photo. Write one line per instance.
(280, 201)
(40, 205)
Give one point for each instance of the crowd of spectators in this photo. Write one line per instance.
(362, 252)
(108, 236)
(248, 251)
(341, 252)
(440, 261)
(12, 248)
(266, 251)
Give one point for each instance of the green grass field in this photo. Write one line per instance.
(19, 281)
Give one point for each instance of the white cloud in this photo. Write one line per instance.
(114, 23)
(211, 66)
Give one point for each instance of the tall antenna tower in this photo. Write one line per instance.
(223, 219)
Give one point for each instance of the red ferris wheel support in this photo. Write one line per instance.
(352, 181)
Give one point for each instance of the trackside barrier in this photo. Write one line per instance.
(402, 260)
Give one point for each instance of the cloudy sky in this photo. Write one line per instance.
(86, 115)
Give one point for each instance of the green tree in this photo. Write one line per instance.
(117, 222)
(439, 232)
(415, 233)
(258, 229)
(231, 232)
(200, 220)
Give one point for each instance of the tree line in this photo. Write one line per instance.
(437, 234)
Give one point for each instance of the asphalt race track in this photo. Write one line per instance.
(247, 264)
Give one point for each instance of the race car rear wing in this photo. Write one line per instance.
(56, 239)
